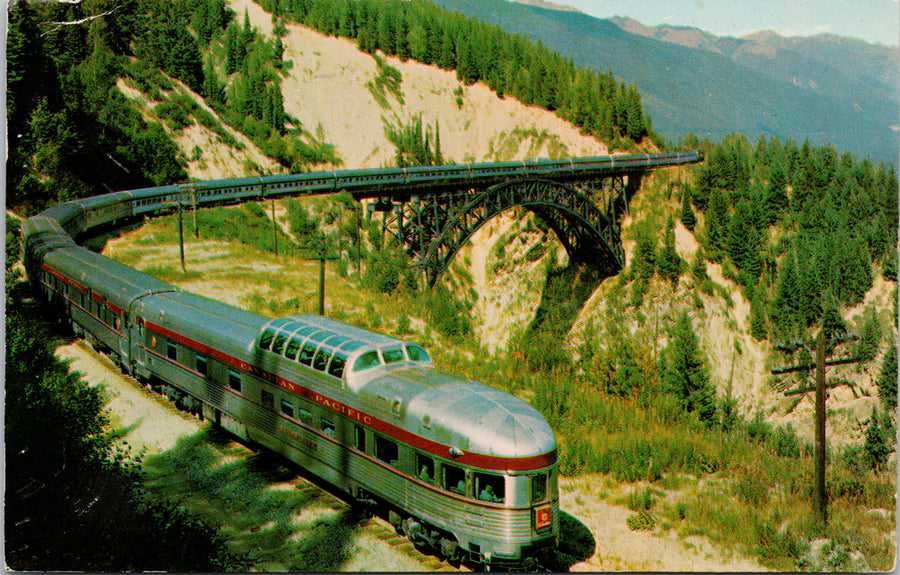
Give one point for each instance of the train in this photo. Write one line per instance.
(109, 209)
(459, 466)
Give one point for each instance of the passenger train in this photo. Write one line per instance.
(462, 467)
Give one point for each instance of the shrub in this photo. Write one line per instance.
(641, 521)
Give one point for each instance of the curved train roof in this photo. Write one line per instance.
(436, 404)
(495, 422)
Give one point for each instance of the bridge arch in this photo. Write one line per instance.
(434, 228)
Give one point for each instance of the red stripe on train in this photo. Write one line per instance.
(485, 461)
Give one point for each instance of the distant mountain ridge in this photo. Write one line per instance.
(549, 5)
(825, 63)
(825, 88)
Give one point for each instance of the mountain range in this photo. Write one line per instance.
(824, 88)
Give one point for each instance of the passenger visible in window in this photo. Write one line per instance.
(423, 474)
(487, 494)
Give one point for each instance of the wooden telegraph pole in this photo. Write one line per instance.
(820, 496)
(274, 228)
(321, 250)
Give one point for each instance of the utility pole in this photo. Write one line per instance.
(274, 228)
(181, 236)
(194, 209)
(820, 496)
(320, 248)
(177, 205)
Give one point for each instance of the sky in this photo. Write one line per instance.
(876, 21)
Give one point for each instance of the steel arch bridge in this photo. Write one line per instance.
(431, 210)
(583, 215)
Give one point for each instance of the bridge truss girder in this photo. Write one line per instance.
(584, 215)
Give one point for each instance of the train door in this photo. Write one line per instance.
(136, 353)
(122, 329)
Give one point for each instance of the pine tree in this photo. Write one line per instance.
(785, 306)
(447, 56)
(668, 263)
(688, 219)
(717, 220)
(233, 49)
(877, 446)
(634, 115)
(212, 90)
(887, 381)
(758, 315)
(685, 371)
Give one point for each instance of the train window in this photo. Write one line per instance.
(359, 438)
(367, 360)
(336, 367)
(171, 350)
(234, 380)
(290, 351)
(266, 339)
(425, 467)
(321, 359)
(489, 487)
(304, 416)
(306, 354)
(538, 487)
(392, 355)
(287, 408)
(201, 365)
(416, 353)
(454, 479)
(386, 450)
(327, 427)
(268, 400)
(278, 344)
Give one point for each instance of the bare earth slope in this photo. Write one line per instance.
(327, 86)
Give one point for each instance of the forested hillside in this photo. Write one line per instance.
(695, 90)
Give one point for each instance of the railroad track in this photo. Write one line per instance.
(99, 369)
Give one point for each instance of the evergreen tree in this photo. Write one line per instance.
(776, 195)
(757, 315)
(869, 336)
(234, 50)
(743, 240)
(688, 219)
(717, 220)
(643, 264)
(668, 262)
(684, 371)
(832, 322)
(887, 381)
(634, 117)
(879, 437)
(447, 56)
(785, 306)
(212, 90)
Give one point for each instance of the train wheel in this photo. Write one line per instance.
(449, 549)
(396, 521)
